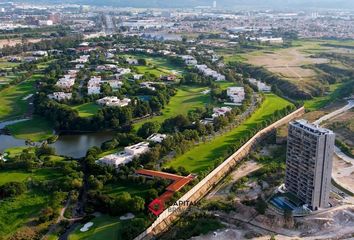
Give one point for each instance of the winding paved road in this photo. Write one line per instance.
(336, 112)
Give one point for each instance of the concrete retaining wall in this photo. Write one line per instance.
(166, 218)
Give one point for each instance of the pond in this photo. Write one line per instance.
(71, 145)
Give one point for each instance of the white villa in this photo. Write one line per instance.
(94, 85)
(114, 83)
(67, 81)
(60, 96)
(262, 87)
(236, 94)
(131, 61)
(148, 85)
(125, 156)
(114, 102)
(82, 59)
(157, 137)
(217, 112)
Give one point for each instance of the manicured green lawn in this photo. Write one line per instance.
(36, 129)
(163, 65)
(187, 98)
(12, 98)
(13, 176)
(157, 72)
(203, 156)
(87, 109)
(15, 151)
(104, 228)
(132, 188)
(225, 84)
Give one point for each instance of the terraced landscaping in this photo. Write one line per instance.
(204, 156)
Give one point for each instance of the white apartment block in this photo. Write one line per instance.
(309, 163)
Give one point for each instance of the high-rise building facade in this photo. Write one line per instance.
(309, 163)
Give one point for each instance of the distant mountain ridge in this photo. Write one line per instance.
(298, 4)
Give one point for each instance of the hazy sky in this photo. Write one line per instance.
(303, 4)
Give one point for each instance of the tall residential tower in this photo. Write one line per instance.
(309, 163)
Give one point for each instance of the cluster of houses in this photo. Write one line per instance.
(261, 86)
(130, 152)
(113, 102)
(206, 71)
(203, 69)
(65, 84)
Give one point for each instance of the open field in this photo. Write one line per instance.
(18, 211)
(104, 227)
(12, 42)
(288, 63)
(36, 129)
(87, 109)
(203, 156)
(12, 98)
(188, 97)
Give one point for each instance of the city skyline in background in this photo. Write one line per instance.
(234, 4)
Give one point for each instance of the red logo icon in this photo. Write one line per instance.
(156, 207)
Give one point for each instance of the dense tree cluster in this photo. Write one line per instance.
(60, 43)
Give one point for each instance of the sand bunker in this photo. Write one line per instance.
(86, 227)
